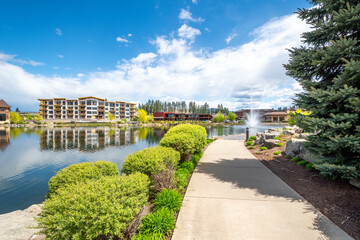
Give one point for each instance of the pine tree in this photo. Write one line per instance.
(328, 69)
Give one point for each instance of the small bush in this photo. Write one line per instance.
(149, 236)
(181, 178)
(302, 163)
(184, 143)
(249, 143)
(277, 152)
(81, 172)
(252, 138)
(277, 138)
(263, 148)
(279, 144)
(200, 153)
(287, 156)
(195, 159)
(161, 221)
(333, 172)
(151, 160)
(258, 152)
(197, 132)
(310, 166)
(210, 140)
(250, 147)
(188, 166)
(284, 140)
(94, 209)
(169, 199)
(295, 159)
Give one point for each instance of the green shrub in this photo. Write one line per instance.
(188, 166)
(284, 140)
(258, 152)
(210, 140)
(81, 172)
(279, 144)
(263, 148)
(195, 159)
(250, 147)
(181, 178)
(149, 236)
(200, 153)
(252, 138)
(287, 156)
(161, 221)
(310, 166)
(333, 172)
(184, 143)
(197, 132)
(277, 138)
(295, 159)
(168, 198)
(277, 152)
(249, 143)
(151, 160)
(94, 209)
(302, 163)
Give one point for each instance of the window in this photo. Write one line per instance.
(94, 108)
(3, 110)
(88, 112)
(76, 112)
(88, 108)
(76, 103)
(117, 104)
(51, 112)
(64, 102)
(63, 112)
(51, 102)
(51, 107)
(50, 116)
(88, 102)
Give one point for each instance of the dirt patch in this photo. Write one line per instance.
(337, 200)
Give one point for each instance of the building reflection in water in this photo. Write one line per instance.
(95, 139)
(4, 138)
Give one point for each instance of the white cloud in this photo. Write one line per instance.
(58, 31)
(188, 32)
(230, 37)
(79, 75)
(129, 35)
(12, 58)
(123, 40)
(194, 1)
(174, 69)
(60, 56)
(185, 14)
(56, 68)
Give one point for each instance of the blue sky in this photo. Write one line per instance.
(214, 51)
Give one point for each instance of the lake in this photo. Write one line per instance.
(30, 157)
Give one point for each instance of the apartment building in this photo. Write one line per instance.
(85, 108)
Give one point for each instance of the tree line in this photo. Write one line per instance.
(152, 106)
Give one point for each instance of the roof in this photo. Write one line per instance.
(276, 114)
(3, 104)
(102, 99)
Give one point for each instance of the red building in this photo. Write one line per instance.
(4, 111)
(171, 116)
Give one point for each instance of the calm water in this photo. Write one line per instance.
(30, 157)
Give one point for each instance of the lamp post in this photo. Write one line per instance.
(247, 134)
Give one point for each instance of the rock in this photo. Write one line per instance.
(15, 225)
(260, 138)
(355, 182)
(273, 131)
(271, 135)
(296, 148)
(271, 143)
(297, 129)
(303, 135)
(288, 132)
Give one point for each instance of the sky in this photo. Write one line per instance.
(229, 52)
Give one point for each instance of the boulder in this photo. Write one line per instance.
(271, 143)
(297, 129)
(288, 132)
(260, 138)
(303, 135)
(296, 148)
(273, 131)
(271, 135)
(355, 182)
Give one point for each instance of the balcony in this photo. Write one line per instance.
(70, 109)
(43, 104)
(82, 113)
(101, 110)
(58, 114)
(57, 104)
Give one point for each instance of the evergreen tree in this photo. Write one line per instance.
(328, 69)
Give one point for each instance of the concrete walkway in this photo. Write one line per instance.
(232, 196)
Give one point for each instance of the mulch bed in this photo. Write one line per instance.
(337, 200)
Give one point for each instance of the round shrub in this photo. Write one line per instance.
(210, 140)
(81, 172)
(263, 148)
(295, 159)
(250, 147)
(161, 221)
(184, 143)
(151, 160)
(169, 199)
(181, 178)
(188, 166)
(195, 159)
(197, 132)
(277, 152)
(94, 209)
(252, 138)
(279, 144)
(277, 138)
(302, 163)
(249, 143)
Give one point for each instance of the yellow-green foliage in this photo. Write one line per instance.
(184, 143)
(81, 172)
(197, 132)
(99, 209)
(151, 160)
(14, 117)
(294, 114)
(168, 198)
(161, 221)
(142, 115)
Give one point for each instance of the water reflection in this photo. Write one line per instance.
(4, 138)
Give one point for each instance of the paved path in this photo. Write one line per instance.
(232, 196)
